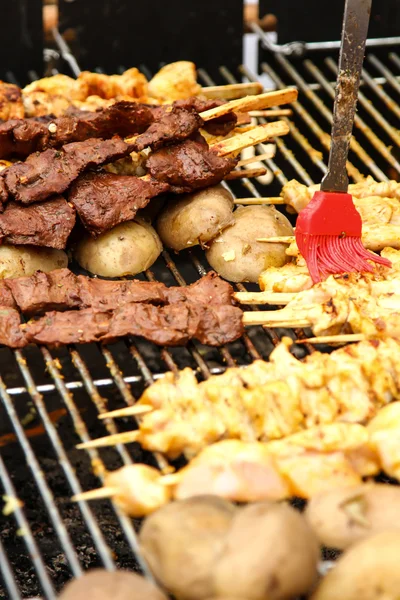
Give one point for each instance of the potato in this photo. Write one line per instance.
(368, 571)
(270, 553)
(17, 261)
(182, 541)
(195, 218)
(237, 256)
(127, 249)
(342, 517)
(99, 584)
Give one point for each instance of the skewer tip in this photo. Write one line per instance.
(126, 437)
(128, 411)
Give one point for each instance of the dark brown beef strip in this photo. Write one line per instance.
(3, 193)
(11, 334)
(52, 171)
(103, 200)
(172, 124)
(46, 224)
(6, 297)
(170, 325)
(219, 126)
(21, 137)
(62, 290)
(189, 165)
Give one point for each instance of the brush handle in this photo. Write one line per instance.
(354, 36)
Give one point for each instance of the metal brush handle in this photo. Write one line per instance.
(354, 36)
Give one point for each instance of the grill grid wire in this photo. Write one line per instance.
(70, 379)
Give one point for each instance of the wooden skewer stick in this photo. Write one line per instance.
(245, 173)
(274, 298)
(259, 102)
(274, 319)
(126, 437)
(171, 479)
(275, 112)
(104, 492)
(332, 339)
(128, 411)
(280, 239)
(256, 158)
(257, 135)
(232, 91)
(256, 201)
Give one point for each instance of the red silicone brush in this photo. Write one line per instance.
(328, 230)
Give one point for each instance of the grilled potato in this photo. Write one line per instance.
(17, 261)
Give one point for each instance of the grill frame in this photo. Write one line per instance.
(310, 111)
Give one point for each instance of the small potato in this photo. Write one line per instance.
(99, 584)
(270, 553)
(182, 541)
(19, 261)
(340, 518)
(127, 249)
(237, 256)
(195, 218)
(368, 571)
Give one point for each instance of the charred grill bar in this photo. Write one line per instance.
(50, 399)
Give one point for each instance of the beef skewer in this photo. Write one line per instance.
(63, 290)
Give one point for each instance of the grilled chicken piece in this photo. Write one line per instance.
(174, 82)
(371, 198)
(131, 83)
(11, 105)
(59, 85)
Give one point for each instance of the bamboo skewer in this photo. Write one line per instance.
(257, 135)
(275, 112)
(232, 91)
(256, 158)
(257, 201)
(97, 494)
(126, 437)
(236, 174)
(274, 319)
(128, 411)
(274, 298)
(280, 239)
(332, 339)
(261, 101)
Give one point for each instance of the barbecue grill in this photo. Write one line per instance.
(51, 399)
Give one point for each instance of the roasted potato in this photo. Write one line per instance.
(369, 570)
(340, 518)
(237, 256)
(17, 261)
(99, 584)
(128, 249)
(195, 218)
(269, 553)
(182, 541)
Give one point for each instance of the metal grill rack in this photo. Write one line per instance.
(50, 400)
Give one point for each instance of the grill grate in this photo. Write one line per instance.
(50, 400)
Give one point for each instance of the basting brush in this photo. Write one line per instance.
(328, 230)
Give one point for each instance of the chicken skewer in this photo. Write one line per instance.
(261, 401)
(304, 464)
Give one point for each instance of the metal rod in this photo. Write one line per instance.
(388, 75)
(7, 575)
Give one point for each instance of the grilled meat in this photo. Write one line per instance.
(189, 165)
(270, 400)
(103, 200)
(376, 207)
(46, 224)
(11, 105)
(130, 83)
(11, 334)
(53, 171)
(170, 325)
(62, 290)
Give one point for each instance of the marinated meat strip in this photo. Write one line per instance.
(171, 325)
(172, 124)
(189, 165)
(21, 137)
(52, 171)
(11, 333)
(219, 126)
(62, 290)
(103, 200)
(3, 193)
(46, 224)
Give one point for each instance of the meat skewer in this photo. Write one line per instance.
(264, 401)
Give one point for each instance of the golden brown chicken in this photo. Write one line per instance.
(132, 83)
(11, 105)
(175, 81)
(268, 400)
